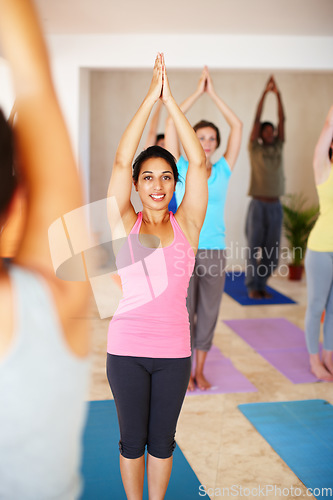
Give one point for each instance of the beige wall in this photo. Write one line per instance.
(116, 95)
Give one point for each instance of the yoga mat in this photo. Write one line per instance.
(225, 378)
(100, 465)
(278, 341)
(235, 287)
(301, 433)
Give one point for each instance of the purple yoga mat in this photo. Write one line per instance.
(280, 342)
(223, 376)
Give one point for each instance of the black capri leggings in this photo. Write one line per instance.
(149, 394)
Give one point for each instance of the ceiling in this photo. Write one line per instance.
(235, 17)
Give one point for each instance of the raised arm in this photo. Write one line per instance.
(321, 163)
(235, 124)
(153, 126)
(255, 132)
(45, 159)
(192, 210)
(281, 115)
(171, 137)
(45, 154)
(120, 185)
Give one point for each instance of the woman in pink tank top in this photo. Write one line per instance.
(149, 354)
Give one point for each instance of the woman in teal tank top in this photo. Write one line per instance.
(207, 283)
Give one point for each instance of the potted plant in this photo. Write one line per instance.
(298, 220)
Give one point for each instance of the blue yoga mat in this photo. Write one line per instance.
(301, 432)
(235, 287)
(100, 465)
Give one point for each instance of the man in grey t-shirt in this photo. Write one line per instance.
(264, 217)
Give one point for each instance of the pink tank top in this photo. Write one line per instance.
(151, 319)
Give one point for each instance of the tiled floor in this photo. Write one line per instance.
(218, 441)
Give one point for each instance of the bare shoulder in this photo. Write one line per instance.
(121, 223)
(322, 172)
(190, 230)
(129, 219)
(71, 301)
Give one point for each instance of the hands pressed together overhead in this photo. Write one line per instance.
(205, 83)
(271, 86)
(159, 87)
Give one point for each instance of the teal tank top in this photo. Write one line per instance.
(212, 235)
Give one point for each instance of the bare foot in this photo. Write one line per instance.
(327, 360)
(202, 382)
(191, 384)
(266, 295)
(319, 370)
(255, 294)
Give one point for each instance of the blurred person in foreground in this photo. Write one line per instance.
(44, 365)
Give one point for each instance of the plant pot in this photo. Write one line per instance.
(295, 272)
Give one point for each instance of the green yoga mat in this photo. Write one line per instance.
(301, 432)
(100, 465)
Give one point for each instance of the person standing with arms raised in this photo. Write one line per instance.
(149, 351)
(264, 217)
(207, 283)
(319, 260)
(44, 340)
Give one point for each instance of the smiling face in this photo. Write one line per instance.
(155, 184)
(208, 139)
